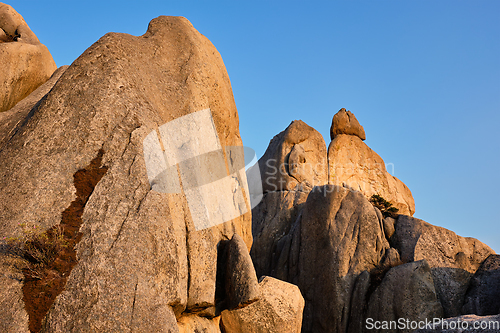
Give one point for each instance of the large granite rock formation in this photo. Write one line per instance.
(26, 63)
(336, 249)
(292, 165)
(77, 160)
(351, 263)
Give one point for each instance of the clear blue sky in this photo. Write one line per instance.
(422, 77)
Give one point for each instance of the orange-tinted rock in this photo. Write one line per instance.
(344, 122)
(353, 164)
(26, 63)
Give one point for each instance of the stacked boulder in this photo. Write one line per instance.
(279, 310)
(351, 163)
(345, 122)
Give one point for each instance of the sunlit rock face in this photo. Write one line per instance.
(26, 63)
(345, 122)
(351, 163)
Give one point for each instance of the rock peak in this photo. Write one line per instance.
(26, 63)
(13, 27)
(344, 122)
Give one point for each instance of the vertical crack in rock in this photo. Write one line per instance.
(40, 293)
(133, 306)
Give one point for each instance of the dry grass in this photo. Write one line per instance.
(37, 248)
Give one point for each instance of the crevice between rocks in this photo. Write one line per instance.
(40, 293)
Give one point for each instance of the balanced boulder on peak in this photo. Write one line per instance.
(344, 122)
(352, 164)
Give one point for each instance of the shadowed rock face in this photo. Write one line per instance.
(26, 64)
(453, 259)
(407, 291)
(273, 220)
(322, 248)
(241, 283)
(341, 235)
(335, 247)
(465, 324)
(483, 296)
(141, 263)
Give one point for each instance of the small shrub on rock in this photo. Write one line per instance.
(384, 206)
